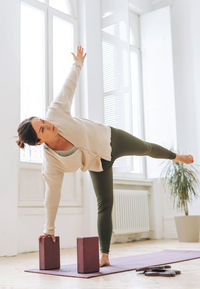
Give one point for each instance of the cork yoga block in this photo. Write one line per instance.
(87, 255)
(49, 253)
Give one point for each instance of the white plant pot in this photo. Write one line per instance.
(188, 228)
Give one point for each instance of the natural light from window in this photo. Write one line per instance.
(45, 60)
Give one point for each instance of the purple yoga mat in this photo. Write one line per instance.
(126, 263)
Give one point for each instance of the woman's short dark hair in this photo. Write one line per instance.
(26, 133)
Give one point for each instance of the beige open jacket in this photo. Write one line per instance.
(92, 140)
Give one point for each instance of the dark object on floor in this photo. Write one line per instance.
(164, 271)
(49, 253)
(153, 267)
(88, 255)
(127, 263)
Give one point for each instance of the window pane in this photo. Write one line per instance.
(135, 91)
(121, 100)
(63, 45)
(118, 30)
(115, 76)
(117, 114)
(65, 6)
(117, 108)
(108, 66)
(115, 67)
(32, 70)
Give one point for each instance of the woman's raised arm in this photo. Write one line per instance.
(79, 55)
(64, 100)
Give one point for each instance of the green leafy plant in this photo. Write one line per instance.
(182, 182)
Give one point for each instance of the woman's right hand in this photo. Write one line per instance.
(79, 55)
(45, 235)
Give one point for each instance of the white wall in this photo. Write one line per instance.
(9, 118)
(186, 47)
(186, 39)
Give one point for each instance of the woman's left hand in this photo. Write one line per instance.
(79, 55)
(45, 235)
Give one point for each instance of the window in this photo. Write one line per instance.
(158, 84)
(48, 36)
(122, 79)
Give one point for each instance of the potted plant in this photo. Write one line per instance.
(182, 182)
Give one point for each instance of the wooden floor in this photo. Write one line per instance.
(12, 273)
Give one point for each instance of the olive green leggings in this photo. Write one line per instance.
(123, 144)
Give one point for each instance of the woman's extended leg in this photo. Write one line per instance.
(124, 144)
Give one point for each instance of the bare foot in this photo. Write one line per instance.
(187, 159)
(104, 261)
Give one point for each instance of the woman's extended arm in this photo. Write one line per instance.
(65, 97)
(53, 184)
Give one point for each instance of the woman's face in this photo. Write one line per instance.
(44, 129)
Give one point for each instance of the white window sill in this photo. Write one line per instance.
(132, 181)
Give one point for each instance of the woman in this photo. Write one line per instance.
(72, 143)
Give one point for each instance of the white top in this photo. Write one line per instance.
(91, 139)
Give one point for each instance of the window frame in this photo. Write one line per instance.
(141, 99)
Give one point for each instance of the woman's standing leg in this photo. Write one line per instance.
(103, 186)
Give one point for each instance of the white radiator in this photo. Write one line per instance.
(130, 211)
